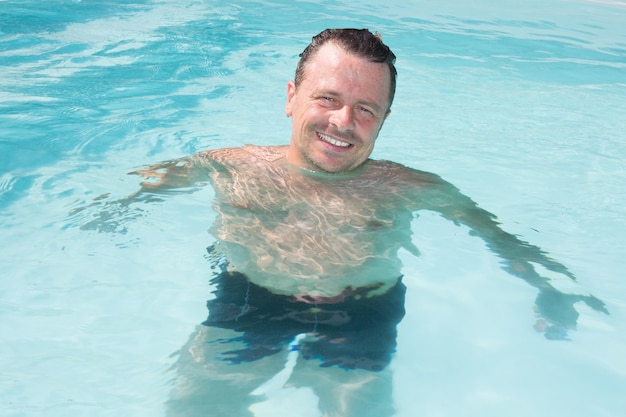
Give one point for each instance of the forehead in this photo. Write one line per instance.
(334, 67)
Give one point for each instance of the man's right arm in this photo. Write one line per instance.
(182, 173)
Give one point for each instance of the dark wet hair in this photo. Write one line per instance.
(360, 42)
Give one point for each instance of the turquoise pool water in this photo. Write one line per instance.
(521, 105)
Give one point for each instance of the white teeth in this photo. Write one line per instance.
(333, 141)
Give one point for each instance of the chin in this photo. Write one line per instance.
(334, 169)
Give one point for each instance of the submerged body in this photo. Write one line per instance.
(320, 237)
(316, 236)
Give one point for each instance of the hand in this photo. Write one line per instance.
(171, 174)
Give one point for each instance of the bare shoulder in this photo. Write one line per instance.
(245, 154)
(399, 173)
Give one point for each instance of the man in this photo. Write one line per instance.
(308, 233)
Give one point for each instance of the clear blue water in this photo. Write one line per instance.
(519, 104)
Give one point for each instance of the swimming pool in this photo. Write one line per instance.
(521, 106)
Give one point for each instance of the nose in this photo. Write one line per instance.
(343, 119)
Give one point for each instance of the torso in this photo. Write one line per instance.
(301, 233)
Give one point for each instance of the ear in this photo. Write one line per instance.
(291, 94)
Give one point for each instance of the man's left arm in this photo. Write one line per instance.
(519, 258)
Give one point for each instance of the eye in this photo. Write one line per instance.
(327, 101)
(367, 112)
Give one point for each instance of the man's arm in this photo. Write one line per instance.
(183, 173)
(519, 258)
(179, 176)
(517, 255)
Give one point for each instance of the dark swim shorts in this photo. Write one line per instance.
(358, 332)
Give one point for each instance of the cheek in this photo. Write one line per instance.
(371, 130)
(311, 116)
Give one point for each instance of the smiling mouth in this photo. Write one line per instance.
(333, 141)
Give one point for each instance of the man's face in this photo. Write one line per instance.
(337, 110)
